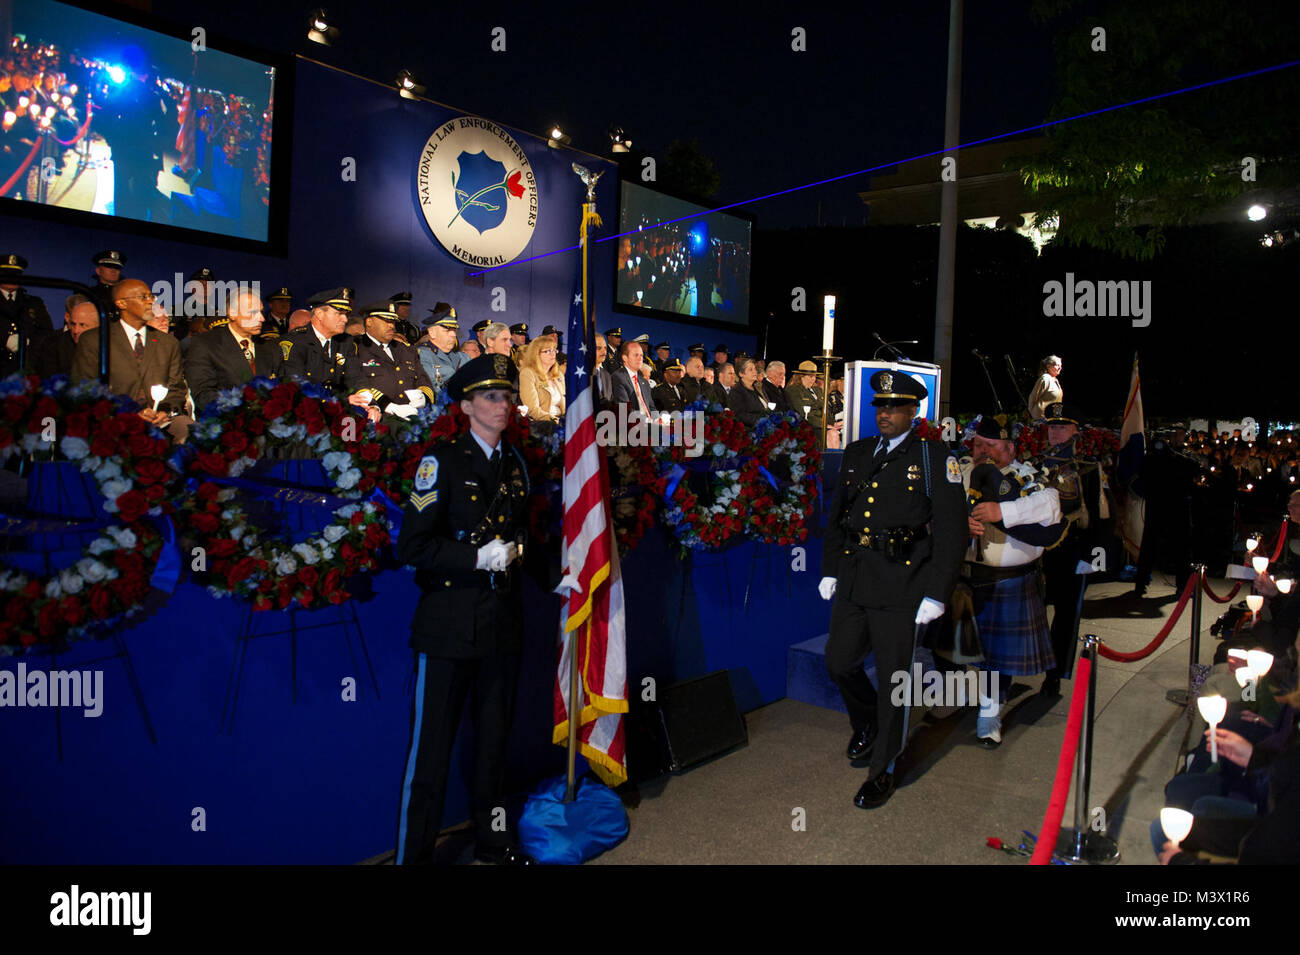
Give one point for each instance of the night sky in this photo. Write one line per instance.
(869, 89)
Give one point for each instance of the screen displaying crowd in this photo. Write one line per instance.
(106, 117)
(699, 266)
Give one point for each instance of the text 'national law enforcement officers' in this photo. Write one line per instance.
(463, 532)
(894, 540)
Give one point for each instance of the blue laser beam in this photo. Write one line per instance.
(934, 152)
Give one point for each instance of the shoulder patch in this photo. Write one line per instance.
(953, 470)
(285, 346)
(426, 475)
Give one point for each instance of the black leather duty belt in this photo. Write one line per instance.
(892, 540)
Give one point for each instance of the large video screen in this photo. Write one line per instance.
(107, 117)
(678, 262)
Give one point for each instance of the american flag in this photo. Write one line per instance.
(592, 618)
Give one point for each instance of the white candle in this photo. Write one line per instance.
(828, 324)
(1212, 710)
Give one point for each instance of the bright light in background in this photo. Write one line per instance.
(1255, 213)
(116, 74)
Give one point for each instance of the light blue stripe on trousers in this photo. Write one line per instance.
(410, 762)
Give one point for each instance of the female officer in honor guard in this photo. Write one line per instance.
(894, 539)
(463, 532)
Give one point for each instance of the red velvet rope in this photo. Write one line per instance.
(90, 110)
(1051, 828)
(1281, 541)
(1150, 648)
(4, 190)
(1205, 585)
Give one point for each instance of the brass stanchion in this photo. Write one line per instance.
(825, 359)
(1184, 697)
(1082, 843)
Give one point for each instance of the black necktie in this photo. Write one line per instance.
(495, 462)
(139, 346)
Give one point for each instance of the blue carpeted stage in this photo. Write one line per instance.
(316, 780)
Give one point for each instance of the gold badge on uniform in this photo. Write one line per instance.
(913, 472)
(886, 381)
(1004, 489)
(500, 365)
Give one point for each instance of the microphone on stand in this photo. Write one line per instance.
(980, 355)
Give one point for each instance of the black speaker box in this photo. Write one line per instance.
(690, 722)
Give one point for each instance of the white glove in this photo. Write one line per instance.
(415, 397)
(827, 588)
(494, 555)
(568, 585)
(929, 610)
(11, 342)
(405, 412)
(1083, 567)
(512, 554)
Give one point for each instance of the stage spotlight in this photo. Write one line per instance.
(408, 87)
(558, 138)
(319, 29)
(1255, 213)
(618, 141)
(116, 74)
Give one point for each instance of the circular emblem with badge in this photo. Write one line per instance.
(477, 191)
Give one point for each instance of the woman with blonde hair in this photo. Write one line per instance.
(541, 382)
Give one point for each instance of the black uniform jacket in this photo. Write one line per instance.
(874, 495)
(306, 360)
(385, 379)
(25, 316)
(465, 613)
(215, 362)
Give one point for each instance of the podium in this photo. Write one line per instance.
(860, 416)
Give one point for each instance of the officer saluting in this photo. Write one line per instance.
(894, 540)
(318, 351)
(463, 531)
(385, 370)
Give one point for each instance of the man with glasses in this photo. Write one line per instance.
(233, 354)
(139, 357)
(463, 531)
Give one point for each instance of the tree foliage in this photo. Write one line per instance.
(1115, 180)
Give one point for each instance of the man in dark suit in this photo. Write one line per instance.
(629, 387)
(53, 355)
(139, 358)
(720, 390)
(693, 384)
(385, 371)
(771, 388)
(231, 352)
(463, 531)
(670, 396)
(894, 542)
(24, 320)
(604, 380)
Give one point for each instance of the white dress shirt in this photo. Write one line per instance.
(1037, 505)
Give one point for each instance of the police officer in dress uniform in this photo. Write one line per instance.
(437, 350)
(894, 540)
(279, 305)
(24, 320)
(185, 324)
(518, 339)
(108, 271)
(383, 369)
(670, 396)
(406, 330)
(613, 339)
(318, 351)
(1080, 486)
(463, 532)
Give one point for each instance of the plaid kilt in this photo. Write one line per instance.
(1013, 626)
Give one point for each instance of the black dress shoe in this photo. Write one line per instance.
(875, 791)
(1051, 685)
(503, 855)
(860, 745)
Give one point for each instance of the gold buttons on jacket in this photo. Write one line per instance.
(473, 497)
(875, 484)
(871, 500)
(866, 513)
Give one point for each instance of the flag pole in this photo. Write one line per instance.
(575, 701)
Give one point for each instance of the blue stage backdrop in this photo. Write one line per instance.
(316, 780)
(369, 233)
